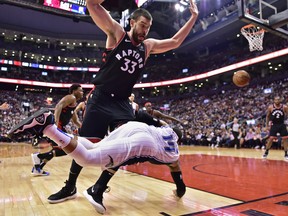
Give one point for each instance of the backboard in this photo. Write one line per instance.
(271, 15)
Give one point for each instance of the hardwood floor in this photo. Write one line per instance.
(220, 182)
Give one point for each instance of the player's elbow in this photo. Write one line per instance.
(93, 2)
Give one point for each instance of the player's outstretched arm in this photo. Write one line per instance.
(4, 106)
(105, 22)
(268, 113)
(159, 46)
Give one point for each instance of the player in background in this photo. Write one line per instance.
(64, 112)
(276, 114)
(134, 105)
(158, 114)
(82, 106)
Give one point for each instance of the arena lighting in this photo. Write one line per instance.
(217, 71)
(44, 84)
(49, 67)
(161, 83)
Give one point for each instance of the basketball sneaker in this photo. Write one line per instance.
(35, 124)
(66, 193)
(286, 157)
(265, 155)
(35, 140)
(35, 159)
(94, 195)
(37, 171)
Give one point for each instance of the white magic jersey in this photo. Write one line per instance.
(134, 142)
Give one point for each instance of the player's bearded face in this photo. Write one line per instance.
(138, 37)
(277, 101)
(140, 29)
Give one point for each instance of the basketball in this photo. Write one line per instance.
(241, 78)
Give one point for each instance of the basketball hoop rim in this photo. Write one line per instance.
(260, 31)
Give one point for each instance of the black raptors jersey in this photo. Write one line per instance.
(277, 115)
(120, 69)
(66, 115)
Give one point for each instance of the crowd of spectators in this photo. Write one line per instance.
(207, 117)
(166, 68)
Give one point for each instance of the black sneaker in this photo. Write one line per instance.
(94, 195)
(35, 124)
(66, 193)
(265, 155)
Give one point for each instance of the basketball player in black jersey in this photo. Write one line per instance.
(64, 112)
(122, 63)
(82, 106)
(158, 114)
(276, 114)
(135, 106)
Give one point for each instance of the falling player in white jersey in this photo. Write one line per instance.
(130, 143)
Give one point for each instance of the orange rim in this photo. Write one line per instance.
(260, 31)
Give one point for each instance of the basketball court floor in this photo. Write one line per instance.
(219, 181)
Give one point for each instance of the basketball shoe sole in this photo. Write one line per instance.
(35, 124)
(98, 207)
(39, 172)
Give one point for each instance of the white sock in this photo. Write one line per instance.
(61, 138)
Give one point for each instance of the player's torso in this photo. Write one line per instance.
(121, 68)
(66, 114)
(277, 114)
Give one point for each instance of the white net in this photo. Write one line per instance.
(254, 35)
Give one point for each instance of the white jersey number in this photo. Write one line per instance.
(129, 66)
(172, 146)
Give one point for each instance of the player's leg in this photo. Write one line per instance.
(120, 111)
(56, 151)
(126, 143)
(41, 159)
(94, 194)
(176, 174)
(92, 131)
(268, 146)
(272, 135)
(284, 135)
(37, 169)
(36, 124)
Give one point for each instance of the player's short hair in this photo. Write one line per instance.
(74, 87)
(141, 12)
(147, 104)
(178, 132)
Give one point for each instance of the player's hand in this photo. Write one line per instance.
(193, 8)
(4, 106)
